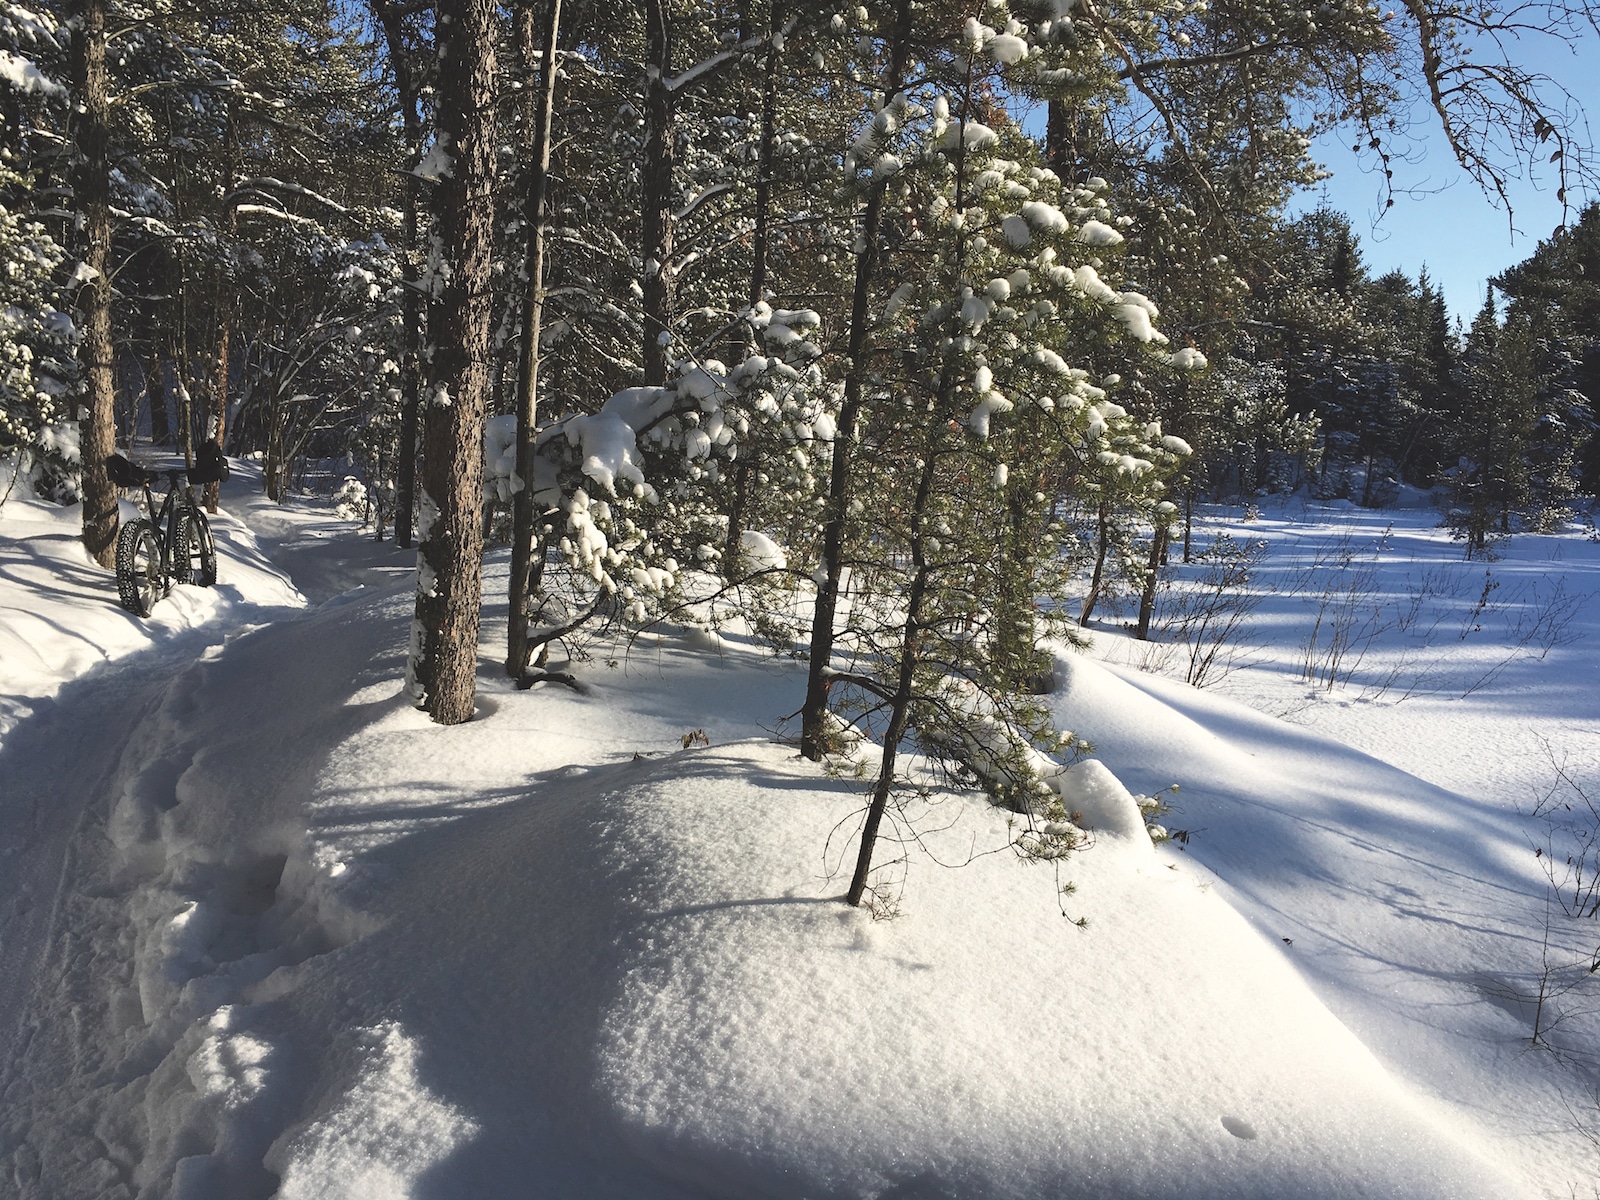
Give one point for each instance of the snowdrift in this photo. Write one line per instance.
(551, 952)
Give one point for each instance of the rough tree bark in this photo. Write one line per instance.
(442, 665)
(91, 186)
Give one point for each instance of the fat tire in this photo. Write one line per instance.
(196, 550)
(140, 582)
(178, 528)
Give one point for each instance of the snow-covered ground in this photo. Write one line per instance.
(266, 931)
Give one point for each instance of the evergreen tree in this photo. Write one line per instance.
(441, 669)
(1488, 484)
(1557, 290)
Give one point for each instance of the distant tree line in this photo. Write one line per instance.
(1353, 386)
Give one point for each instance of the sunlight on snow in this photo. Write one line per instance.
(388, 1131)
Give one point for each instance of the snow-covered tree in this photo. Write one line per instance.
(977, 283)
(37, 334)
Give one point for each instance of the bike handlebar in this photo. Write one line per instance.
(210, 467)
(124, 473)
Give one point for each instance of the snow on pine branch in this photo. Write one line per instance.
(624, 483)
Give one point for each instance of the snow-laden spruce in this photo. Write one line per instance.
(631, 489)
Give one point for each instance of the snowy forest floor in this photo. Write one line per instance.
(266, 931)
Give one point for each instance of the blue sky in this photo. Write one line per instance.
(1454, 229)
(1440, 218)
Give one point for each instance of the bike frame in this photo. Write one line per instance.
(164, 519)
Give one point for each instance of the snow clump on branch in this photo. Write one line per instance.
(622, 486)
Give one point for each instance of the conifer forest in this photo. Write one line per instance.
(955, 298)
(695, 462)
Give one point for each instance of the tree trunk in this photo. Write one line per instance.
(812, 730)
(744, 474)
(217, 414)
(91, 186)
(442, 665)
(405, 484)
(1147, 597)
(1060, 152)
(185, 419)
(523, 513)
(274, 471)
(900, 706)
(155, 386)
(763, 196)
(1097, 579)
(660, 161)
(182, 372)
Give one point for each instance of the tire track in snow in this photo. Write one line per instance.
(174, 852)
(60, 769)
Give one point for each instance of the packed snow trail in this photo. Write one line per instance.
(177, 860)
(90, 700)
(59, 769)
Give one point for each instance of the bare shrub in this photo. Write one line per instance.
(1348, 615)
(1205, 620)
(1568, 850)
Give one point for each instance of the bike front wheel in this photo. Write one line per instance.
(141, 582)
(196, 557)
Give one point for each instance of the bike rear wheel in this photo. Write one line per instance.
(195, 549)
(141, 582)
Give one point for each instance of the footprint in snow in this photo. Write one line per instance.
(1239, 1129)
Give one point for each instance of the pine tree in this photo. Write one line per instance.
(1557, 289)
(1489, 483)
(91, 188)
(441, 669)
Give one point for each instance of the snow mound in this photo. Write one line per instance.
(635, 978)
(1100, 804)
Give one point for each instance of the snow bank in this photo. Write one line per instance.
(59, 615)
(1414, 911)
(375, 956)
